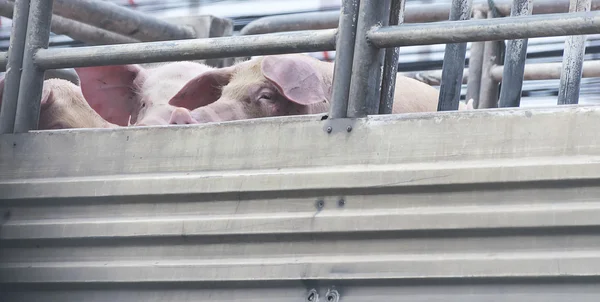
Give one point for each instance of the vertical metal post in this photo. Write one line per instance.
(367, 66)
(454, 61)
(514, 60)
(488, 91)
(13, 68)
(572, 64)
(32, 78)
(390, 65)
(344, 55)
(475, 64)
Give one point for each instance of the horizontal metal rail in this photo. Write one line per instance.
(113, 17)
(413, 14)
(533, 72)
(550, 25)
(196, 49)
(76, 30)
(320, 40)
(549, 71)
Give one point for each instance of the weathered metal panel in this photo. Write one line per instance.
(407, 207)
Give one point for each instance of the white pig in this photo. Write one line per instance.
(63, 106)
(134, 95)
(278, 85)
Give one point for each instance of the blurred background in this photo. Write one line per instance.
(417, 58)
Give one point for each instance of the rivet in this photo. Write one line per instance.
(332, 296)
(320, 203)
(341, 202)
(329, 129)
(349, 128)
(312, 296)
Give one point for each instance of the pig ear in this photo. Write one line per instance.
(47, 97)
(203, 89)
(109, 90)
(296, 79)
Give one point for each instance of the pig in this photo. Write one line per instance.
(136, 95)
(277, 85)
(63, 106)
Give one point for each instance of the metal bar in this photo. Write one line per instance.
(454, 61)
(550, 25)
(3, 61)
(431, 77)
(488, 91)
(32, 79)
(570, 79)
(514, 61)
(365, 89)
(115, 18)
(194, 49)
(416, 13)
(76, 30)
(475, 64)
(390, 65)
(343, 59)
(13, 74)
(549, 71)
(535, 71)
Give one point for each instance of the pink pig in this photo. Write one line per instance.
(63, 106)
(278, 85)
(134, 95)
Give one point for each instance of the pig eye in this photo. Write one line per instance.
(265, 95)
(143, 105)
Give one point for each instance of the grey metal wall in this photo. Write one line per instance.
(498, 205)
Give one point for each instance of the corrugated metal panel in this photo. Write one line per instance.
(491, 205)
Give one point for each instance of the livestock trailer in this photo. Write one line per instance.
(357, 204)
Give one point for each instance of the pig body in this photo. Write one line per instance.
(134, 95)
(63, 107)
(278, 85)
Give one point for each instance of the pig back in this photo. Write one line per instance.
(414, 96)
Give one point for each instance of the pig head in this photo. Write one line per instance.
(277, 85)
(63, 106)
(134, 95)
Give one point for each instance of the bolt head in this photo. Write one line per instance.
(329, 129)
(349, 128)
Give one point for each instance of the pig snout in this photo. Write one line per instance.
(182, 116)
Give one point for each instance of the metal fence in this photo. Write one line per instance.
(367, 39)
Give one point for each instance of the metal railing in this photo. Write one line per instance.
(367, 42)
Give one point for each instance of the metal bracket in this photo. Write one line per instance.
(339, 125)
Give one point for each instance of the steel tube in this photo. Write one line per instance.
(570, 79)
(514, 61)
(115, 18)
(3, 61)
(475, 64)
(365, 89)
(488, 91)
(343, 60)
(390, 65)
(549, 71)
(413, 14)
(454, 61)
(87, 34)
(550, 25)
(32, 78)
(194, 49)
(14, 66)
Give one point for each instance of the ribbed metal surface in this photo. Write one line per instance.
(474, 208)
